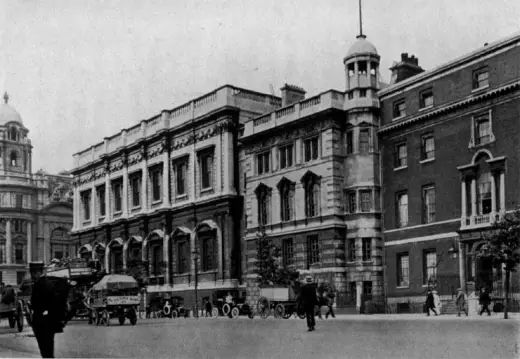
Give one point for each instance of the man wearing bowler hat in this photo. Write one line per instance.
(309, 300)
(48, 306)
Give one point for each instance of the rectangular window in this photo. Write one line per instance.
(288, 252)
(313, 247)
(399, 109)
(366, 201)
(262, 162)
(351, 93)
(101, 200)
(207, 254)
(426, 99)
(286, 156)
(2, 253)
(428, 197)
(156, 179)
(206, 170)
(484, 193)
(136, 191)
(364, 141)
(59, 251)
(19, 249)
(351, 202)
(19, 201)
(428, 147)
(180, 174)
(401, 155)
(480, 78)
(403, 271)
(482, 130)
(182, 250)
(352, 249)
(402, 209)
(429, 266)
(362, 93)
(367, 249)
(85, 200)
(310, 147)
(367, 288)
(350, 142)
(118, 197)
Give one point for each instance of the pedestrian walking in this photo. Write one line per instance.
(437, 301)
(461, 302)
(430, 303)
(484, 301)
(308, 300)
(329, 296)
(208, 308)
(49, 305)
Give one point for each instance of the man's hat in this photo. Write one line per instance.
(308, 279)
(36, 265)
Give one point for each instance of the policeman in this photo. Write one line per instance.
(48, 313)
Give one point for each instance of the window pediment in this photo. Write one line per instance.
(262, 189)
(285, 183)
(310, 177)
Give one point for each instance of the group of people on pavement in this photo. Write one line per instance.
(433, 302)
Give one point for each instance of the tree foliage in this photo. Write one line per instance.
(138, 269)
(503, 244)
(503, 248)
(267, 264)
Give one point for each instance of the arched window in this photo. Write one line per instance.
(263, 198)
(312, 194)
(286, 190)
(14, 159)
(484, 187)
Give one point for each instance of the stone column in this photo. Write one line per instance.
(166, 179)
(75, 208)
(93, 212)
(359, 292)
(46, 243)
(144, 184)
(228, 163)
(358, 205)
(462, 265)
(8, 243)
(166, 259)
(108, 213)
(464, 203)
(108, 254)
(125, 190)
(493, 197)
(29, 158)
(29, 241)
(193, 174)
(502, 192)
(473, 200)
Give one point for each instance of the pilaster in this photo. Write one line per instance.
(8, 242)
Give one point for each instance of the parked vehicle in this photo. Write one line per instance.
(11, 309)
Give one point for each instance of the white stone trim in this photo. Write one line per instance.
(422, 239)
(228, 283)
(422, 225)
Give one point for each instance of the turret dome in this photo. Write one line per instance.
(8, 113)
(361, 47)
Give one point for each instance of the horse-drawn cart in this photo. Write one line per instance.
(11, 308)
(115, 296)
(282, 300)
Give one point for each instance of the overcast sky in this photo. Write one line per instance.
(78, 71)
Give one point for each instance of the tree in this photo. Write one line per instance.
(267, 263)
(502, 246)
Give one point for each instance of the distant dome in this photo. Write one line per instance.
(361, 46)
(8, 113)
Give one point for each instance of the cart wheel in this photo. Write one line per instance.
(288, 313)
(19, 319)
(174, 314)
(279, 311)
(28, 314)
(105, 317)
(263, 307)
(235, 312)
(226, 308)
(214, 313)
(12, 321)
(132, 315)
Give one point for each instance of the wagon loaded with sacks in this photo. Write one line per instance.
(114, 296)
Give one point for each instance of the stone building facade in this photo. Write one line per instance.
(311, 180)
(163, 194)
(35, 208)
(449, 142)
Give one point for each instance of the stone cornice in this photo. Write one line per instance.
(451, 107)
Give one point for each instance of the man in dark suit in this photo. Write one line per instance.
(49, 305)
(308, 301)
(430, 303)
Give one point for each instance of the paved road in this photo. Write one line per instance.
(412, 336)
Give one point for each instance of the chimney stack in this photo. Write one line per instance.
(408, 67)
(292, 94)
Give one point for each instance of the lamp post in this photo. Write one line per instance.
(196, 256)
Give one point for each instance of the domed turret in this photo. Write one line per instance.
(8, 113)
(361, 69)
(361, 47)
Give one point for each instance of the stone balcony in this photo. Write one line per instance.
(479, 221)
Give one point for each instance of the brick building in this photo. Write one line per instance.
(449, 140)
(311, 179)
(35, 208)
(162, 194)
